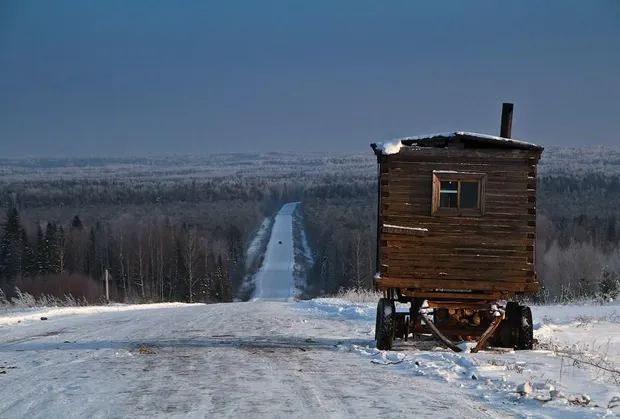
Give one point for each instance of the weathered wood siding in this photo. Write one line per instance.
(459, 252)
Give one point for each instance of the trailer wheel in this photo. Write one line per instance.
(525, 337)
(384, 328)
(506, 334)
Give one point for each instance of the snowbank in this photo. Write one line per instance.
(18, 315)
(549, 381)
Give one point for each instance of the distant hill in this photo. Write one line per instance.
(578, 161)
(573, 181)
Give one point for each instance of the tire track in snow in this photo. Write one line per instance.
(259, 360)
(297, 370)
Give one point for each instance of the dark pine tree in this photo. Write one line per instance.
(29, 260)
(11, 247)
(76, 224)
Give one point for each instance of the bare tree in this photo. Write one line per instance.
(358, 278)
(121, 254)
(209, 268)
(151, 242)
(160, 263)
(190, 252)
(140, 257)
(62, 250)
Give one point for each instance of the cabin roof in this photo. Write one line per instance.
(445, 138)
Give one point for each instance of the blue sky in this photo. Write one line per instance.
(89, 77)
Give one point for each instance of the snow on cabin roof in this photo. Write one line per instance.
(431, 140)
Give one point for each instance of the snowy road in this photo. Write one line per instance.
(263, 359)
(274, 280)
(282, 359)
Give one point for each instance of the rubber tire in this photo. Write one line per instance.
(511, 331)
(525, 336)
(384, 328)
(505, 335)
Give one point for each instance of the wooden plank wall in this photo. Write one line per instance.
(497, 247)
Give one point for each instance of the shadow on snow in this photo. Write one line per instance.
(275, 343)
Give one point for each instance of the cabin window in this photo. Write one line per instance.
(448, 194)
(458, 193)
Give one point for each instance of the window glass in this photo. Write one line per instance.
(448, 194)
(469, 195)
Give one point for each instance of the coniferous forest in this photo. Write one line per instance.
(177, 229)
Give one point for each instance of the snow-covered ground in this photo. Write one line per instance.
(573, 371)
(253, 251)
(283, 359)
(275, 279)
(263, 359)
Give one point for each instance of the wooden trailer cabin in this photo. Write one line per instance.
(457, 221)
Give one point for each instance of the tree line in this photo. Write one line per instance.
(150, 260)
(160, 239)
(185, 239)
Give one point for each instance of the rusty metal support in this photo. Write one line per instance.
(438, 334)
(492, 328)
(483, 338)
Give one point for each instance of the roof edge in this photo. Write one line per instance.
(395, 145)
(472, 135)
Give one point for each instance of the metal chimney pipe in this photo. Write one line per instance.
(506, 128)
